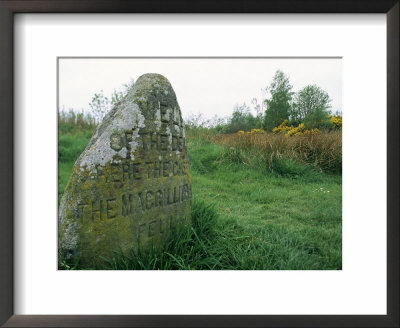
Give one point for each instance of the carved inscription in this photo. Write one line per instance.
(98, 209)
(146, 200)
(130, 171)
(133, 181)
(150, 144)
(132, 203)
(154, 141)
(157, 227)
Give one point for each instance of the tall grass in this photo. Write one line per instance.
(322, 151)
(73, 123)
(210, 243)
(243, 218)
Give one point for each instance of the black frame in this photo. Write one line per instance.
(7, 10)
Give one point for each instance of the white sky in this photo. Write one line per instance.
(203, 85)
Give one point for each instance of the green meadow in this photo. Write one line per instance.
(245, 215)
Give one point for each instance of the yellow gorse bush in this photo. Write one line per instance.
(289, 131)
(282, 128)
(336, 121)
(253, 131)
(312, 131)
(257, 131)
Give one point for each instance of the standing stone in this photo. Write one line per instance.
(132, 183)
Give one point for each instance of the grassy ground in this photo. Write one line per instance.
(244, 216)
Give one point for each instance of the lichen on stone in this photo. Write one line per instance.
(130, 184)
(128, 117)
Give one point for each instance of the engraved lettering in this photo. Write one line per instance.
(153, 169)
(141, 229)
(116, 172)
(149, 169)
(175, 168)
(176, 195)
(157, 169)
(149, 200)
(97, 210)
(170, 199)
(126, 172)
(128, 137)
(166, 168)
(81, 209)
(111, 208)
(155, 142)
(136, 171)
(158, 199)
(133, 181)
(174, 143)
(127, 204)
(165, 112)
(176, 117)
(141, 203)
(145, 143)
(152, 226)
(164, 141)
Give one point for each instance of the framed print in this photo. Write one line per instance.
(104, 221)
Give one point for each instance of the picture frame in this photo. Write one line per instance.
(7, 10)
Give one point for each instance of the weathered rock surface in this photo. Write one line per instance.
(132, 183)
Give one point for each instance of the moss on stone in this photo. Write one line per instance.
(132, 183)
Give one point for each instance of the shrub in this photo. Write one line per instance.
(322, 150)
(72, 122)
(336, 121)
(288, 131)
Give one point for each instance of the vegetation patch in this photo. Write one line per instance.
(243, 217)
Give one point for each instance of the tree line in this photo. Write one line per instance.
(309, 106)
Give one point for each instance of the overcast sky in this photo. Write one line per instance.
(207, 86)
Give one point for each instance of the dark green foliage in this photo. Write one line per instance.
(311, 106)
(279, 105)
(70, 147)
(73, 123)
(242, 119)
(318, 119)
(74, 133)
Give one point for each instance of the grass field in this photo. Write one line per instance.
(245, 214)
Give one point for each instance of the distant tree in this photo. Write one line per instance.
(100, 104)
(241, 119)
(311, 106)
(118, 95)
(259, 113)
(279, 104)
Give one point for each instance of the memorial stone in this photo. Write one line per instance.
(132, 183)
